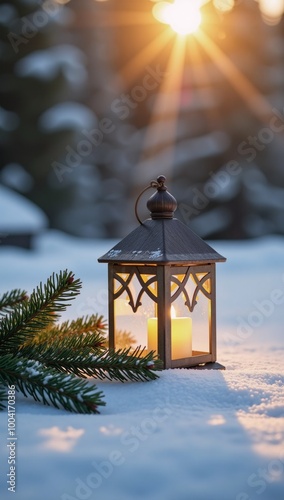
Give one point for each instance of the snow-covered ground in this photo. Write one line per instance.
(191, 434)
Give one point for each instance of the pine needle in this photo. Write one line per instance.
(75, 356)
(3, 396)
(50, 386)
(10, 300)
(50, 362)
(39, 311)
(80, 326)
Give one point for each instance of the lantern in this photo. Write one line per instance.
(161, 280)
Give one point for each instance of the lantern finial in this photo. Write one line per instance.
(160, 185)
(162, 204)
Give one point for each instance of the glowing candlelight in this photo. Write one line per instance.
(181, 335)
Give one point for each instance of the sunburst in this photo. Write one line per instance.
(183, 16)
(184, 22)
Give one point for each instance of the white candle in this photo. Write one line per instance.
(181, 336)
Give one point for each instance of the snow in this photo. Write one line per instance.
(18, 214)
(47, 64)
(15, 176)
(191, 434)
(66, 115)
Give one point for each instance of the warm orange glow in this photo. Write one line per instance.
(60, 440)
(162, 128)
(161, 134)
(249, 93)
(224, 5)
(183, 16)
(181, 335)
(145, 56)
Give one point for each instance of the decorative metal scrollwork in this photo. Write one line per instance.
(181, 286)
(125, 287)
(125, 279)
(191, 303)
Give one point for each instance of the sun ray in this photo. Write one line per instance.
(161, 129)
(144, 57)
(170, 87)
(257, 103)
(201, 79)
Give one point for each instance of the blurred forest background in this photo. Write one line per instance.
(97, 99)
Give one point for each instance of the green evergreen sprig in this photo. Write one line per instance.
(50, 362)
(81, 326)
(76, 355)
(49, 386)
(10, 300)
(39, 311)
(3, 397)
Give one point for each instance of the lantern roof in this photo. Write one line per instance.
(162, 238)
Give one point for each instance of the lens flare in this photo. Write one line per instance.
(183, 16)
(272, 10)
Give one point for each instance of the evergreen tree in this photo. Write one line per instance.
(50, 361)
(213, 119)
(42, 78)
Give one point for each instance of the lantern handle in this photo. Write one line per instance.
(153, 184)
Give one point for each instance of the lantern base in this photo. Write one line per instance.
(208, 366)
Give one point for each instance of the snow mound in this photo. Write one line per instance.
(191, 434)
(18, 214)
(67, 114)
(46, 64)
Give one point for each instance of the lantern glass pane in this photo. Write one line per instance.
(190, 313)
(133, 306)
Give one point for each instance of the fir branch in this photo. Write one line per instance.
(63, 351)
(42, 309)
(80, 326)
(10, 300)
(126, 364)
(73, 355)
(44, 360)
(3, 397)
(49, 386)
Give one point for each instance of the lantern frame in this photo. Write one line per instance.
(164, 248)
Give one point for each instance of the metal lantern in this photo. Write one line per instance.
(162, 293)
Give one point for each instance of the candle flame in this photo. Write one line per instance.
(173, 312)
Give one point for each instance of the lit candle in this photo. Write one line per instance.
(181, 335)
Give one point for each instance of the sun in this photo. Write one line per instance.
(183, 16)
